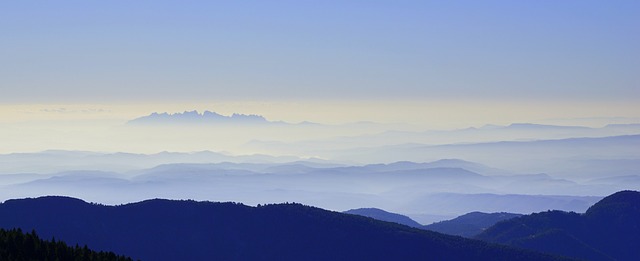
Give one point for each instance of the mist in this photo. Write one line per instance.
(429, 175)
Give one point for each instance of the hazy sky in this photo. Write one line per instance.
(155, 51)
(441, 64)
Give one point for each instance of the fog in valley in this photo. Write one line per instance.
(429, 175)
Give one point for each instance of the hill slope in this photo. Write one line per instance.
(189, 230)
(470, 224)
(16, 245)
(609, 230)
(380, 214)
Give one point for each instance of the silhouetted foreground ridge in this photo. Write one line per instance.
(609, 230)
(189, 230)
(380, 214)
(16, 245)
(470, 224)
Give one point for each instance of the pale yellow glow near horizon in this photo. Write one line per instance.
(101, 126)
(428, 114)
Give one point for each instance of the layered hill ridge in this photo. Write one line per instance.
(470, 224)
(467, 225)
(189, 230)
(382, 215)
(609, 230)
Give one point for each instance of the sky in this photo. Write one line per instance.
(458, 62)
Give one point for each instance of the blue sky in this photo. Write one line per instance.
(157, 51)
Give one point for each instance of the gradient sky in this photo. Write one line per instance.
(155, 51)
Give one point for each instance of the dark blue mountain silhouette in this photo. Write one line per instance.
(609, 230)
(16, 245)
(467, 225)
(189, 230)
(470, 224)
(382, 215)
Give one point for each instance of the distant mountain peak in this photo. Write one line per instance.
(195, 117)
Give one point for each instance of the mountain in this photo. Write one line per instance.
(382, 215)
(189, 230)
(467, 225)
(438, 164)
(328, 147)
(539, 156)
(60, 160)
(490, 203)
(194, 117)
(470, 224)
(16, 245)
(534, 126)
(564, 156)
(628, 126)
(442, 189)
(609, 230)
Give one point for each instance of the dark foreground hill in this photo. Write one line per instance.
(609, 230)
(470, 224)
(380, 214)
(190, 230)
(16, 246)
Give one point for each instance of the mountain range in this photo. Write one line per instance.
(486, 134)
(162, 229)
(425, 191)
(571, 157)
(190, 230)
(609, 230)
(194, 117)
(470, 224)
(382, 215)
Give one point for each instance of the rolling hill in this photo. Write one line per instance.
(382, 215)
(189, 230)
(470, 224)
(609, 230)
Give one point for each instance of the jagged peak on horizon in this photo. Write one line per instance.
(197, 117)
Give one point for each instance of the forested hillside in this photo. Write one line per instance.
(158, 230)
(609, 230)
(16, 245)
